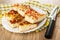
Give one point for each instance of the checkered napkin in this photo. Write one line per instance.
(46, 7)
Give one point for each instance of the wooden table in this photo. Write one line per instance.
(6, 35)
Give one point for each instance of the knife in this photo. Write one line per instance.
(50, 28)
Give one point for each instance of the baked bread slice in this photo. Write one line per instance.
(14, 18)
(26, 26)
(30, 14)
(21, 8)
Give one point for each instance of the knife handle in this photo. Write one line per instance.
(50, 28)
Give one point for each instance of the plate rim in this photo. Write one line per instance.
(25, 31)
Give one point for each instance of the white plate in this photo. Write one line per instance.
(16, 30)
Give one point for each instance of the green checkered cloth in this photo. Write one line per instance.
(46, 7)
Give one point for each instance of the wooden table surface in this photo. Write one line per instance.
(6, 35)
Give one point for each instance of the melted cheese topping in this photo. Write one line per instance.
(14, 16)
(33, 13)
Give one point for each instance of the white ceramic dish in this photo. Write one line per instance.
(16, 30)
